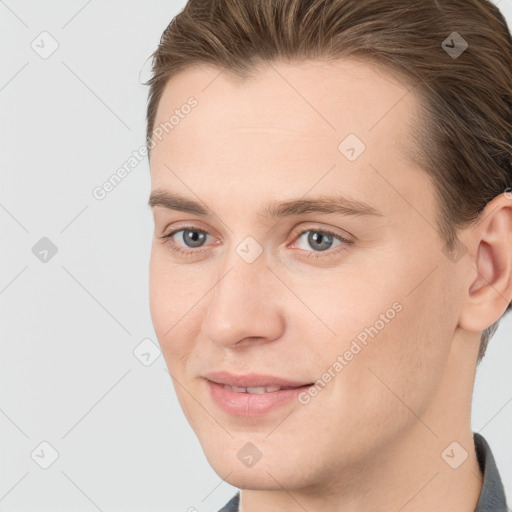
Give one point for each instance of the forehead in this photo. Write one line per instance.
(288, 125)
(328, 92)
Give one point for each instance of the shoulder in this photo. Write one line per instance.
(232, 504)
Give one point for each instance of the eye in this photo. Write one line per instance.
(188, 241)
(320, 240)
(191, 237)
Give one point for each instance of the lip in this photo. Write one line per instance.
(251, 404)
(252, 380)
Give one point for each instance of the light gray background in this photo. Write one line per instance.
(69, 326)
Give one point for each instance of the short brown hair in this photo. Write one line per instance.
(465, 143)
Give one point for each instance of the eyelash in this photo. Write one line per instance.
(310, 254)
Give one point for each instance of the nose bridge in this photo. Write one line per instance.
(242, 304)
(242, 269)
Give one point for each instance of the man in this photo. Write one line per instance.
(333, 244)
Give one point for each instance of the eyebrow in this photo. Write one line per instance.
(273, 209)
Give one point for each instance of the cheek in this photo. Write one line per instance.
(393, 339)
(160, 301)
(170, 299)
(400, 367)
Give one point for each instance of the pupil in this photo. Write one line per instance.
(316, 237)
(195, 237)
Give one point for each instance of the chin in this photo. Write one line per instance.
(254, 479)
(272, 472)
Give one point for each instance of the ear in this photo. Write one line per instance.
(490, 292)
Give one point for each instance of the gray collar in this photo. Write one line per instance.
(492, 496)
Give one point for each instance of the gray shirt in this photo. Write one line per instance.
(492, 496)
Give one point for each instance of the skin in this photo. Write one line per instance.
(372, 438)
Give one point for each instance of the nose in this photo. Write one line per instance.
(246, 305)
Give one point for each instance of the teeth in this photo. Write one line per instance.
(254, 390)
(260, 391)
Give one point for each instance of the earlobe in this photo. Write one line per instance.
(490, 292)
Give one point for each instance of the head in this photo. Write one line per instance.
(281, 107)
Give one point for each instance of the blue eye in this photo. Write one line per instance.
(320, 240)
(190, 235)
(193, 239)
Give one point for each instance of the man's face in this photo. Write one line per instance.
(362, 301)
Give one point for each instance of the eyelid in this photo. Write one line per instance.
(300, 230)
(184, 225)
(296, 234)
